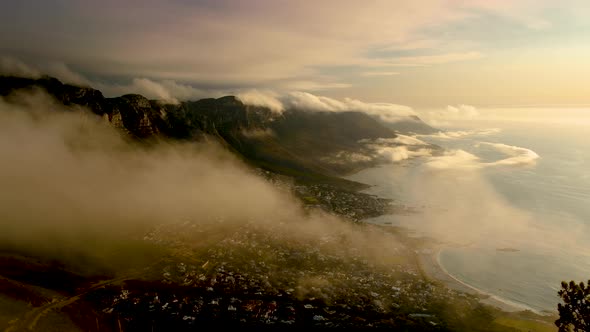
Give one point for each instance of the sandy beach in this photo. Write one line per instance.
(429, 261)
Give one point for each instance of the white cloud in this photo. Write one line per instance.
(188, 92)
(408, 140)
(387, 150)
(399, 153)
(153, 90)
(453, 159)
(384, 111)
(462, 111)
(463, 160)
(62, 72)
(450, 114)
(166, 90)
(399, 139)
(15, 67)
(50, 183)
(518, 156)
(143, 86)
(267, 99)
(451, 135)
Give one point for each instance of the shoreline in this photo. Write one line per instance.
(429, 264)
(431, 267)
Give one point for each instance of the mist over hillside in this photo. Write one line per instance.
(297, 142)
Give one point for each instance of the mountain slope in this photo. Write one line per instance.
(295, 143)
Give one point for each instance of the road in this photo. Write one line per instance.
(29, 320)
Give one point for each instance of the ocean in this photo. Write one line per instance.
(510, 199)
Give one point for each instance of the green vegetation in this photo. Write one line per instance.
(574, 313)
(310, 200)
(524, 325)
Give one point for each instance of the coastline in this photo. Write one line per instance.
(429, 263)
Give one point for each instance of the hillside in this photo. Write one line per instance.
(296, 143)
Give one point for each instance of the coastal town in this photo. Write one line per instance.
(352, 205)
(257, 276)
(253, 278)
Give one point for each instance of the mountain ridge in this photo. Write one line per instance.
(294, 143)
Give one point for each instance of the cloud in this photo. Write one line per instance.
(384, 150)
(385, 111)
(165, 90)
(452, 135)
(399, 153)
(453, 159)
(267, 99)
(399, 139)
(75, 189)
(188, 92)
(14, 67)
(153, 90)
(378, 153)
(460, 206)
(10, 66)
(170, 91)
(462, 111)
(463, 160)
(306, 101)
(519, 156)
(445, 117)
(62, 72)
(228, 44)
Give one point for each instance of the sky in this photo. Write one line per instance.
(423, 54)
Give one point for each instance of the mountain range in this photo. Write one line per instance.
(296, 142)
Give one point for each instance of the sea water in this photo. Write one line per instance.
(549, 201)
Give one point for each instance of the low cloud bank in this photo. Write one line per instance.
(167, 91)
(451, 135)
(385, 150)
(399, 153)
(71, 186)
(10, 66)
(404, 147)
(385, 111)
(266, 99)
(399, 139)
(446, 116)
(309, 102)
(460, 159)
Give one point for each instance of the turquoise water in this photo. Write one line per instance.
(541, 211)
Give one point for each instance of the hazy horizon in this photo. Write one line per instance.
(423, 55)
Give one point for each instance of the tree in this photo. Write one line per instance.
(574, 313)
